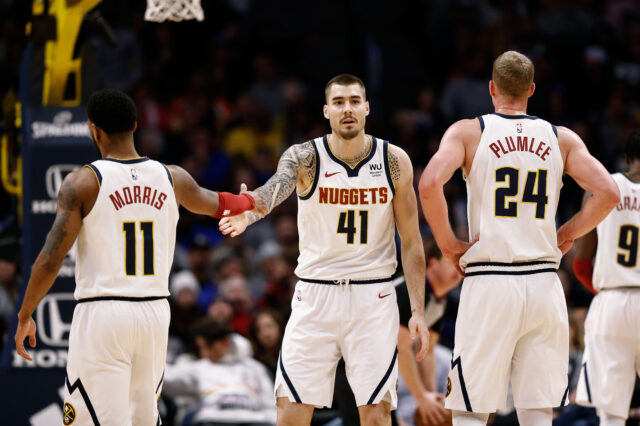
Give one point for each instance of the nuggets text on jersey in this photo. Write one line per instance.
(353, 196)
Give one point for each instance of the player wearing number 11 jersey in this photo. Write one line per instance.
(353, 191)
(123, 209)
(512, 322)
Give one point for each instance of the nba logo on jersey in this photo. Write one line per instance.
(134, 174)
(519, 127)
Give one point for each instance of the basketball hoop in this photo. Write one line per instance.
(173, 10)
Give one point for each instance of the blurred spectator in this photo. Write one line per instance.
(185, 311)
(232, 389)
(7, 295)
(221, 311)
(235, 291)
(200, 255)
(266, 331)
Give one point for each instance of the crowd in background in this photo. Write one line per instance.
(224, 98)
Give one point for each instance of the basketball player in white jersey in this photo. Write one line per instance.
(353, 191)
(512, 321)
(612, 354)
(123, 209)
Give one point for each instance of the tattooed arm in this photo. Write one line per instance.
(405, 210)
(296, 169)
(76, 197)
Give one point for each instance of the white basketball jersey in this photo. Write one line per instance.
(513, 188)
(346, 223)
(616, 262)
(126, 242)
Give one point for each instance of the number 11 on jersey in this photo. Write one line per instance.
(129, 229)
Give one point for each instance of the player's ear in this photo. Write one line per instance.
(366, 108)
(492, 88)
(325, 110)
(135, 126)
(531, 90)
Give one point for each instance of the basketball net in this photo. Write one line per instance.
(173, 10)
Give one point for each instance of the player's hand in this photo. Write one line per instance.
(565, 242)
(418, 328)
(233, 225)
(261, 207)
(455, 250)
(26, 328)
(431, 408)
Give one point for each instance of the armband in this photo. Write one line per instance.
(583, 270)
(231, 204)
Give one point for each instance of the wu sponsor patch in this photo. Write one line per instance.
(448, 387)
(69, 414)
(376, 169)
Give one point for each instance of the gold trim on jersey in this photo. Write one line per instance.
(359, 161)
(94, 173)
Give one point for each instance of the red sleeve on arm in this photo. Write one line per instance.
(231, 204)
(583, 270)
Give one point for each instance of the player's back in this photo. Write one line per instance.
(513, 188)
(126, 242)
(616, 263)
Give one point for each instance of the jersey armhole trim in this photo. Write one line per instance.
(96, 172)
(555, 130)
(481, 120)
(169, 175)
(387, 170)
(316, 175)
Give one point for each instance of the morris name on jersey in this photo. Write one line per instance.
(137, 194)
(522, 144)
(353, 196)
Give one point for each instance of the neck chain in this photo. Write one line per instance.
(353, 161)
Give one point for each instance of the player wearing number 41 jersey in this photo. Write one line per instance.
(353, 191)
(512, 320)
(123, 209)
(612, 343)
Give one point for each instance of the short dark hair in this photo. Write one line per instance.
(344, 80)
(112, 110)
(632, 148)
(210, 330)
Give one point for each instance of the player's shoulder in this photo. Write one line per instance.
(302, 154)
(82, 180)
(400, 154)
(306, 146)
(467, 128)
(567, 136)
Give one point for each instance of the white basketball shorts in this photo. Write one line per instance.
(612, 354)
(117, 354)
(358, 322)
(510, 328)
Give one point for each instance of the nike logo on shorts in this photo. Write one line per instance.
(330, 174)
(382, 296)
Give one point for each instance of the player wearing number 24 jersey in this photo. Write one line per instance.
(123, 210)
(353, 191)
(512, 320)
